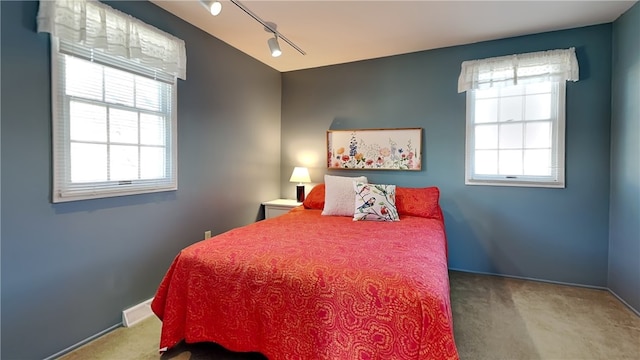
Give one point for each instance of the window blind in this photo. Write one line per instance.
(114, 97)
(114, 130)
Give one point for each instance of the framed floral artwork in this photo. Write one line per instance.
(375, 149)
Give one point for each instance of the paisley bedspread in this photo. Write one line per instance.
(306, 286)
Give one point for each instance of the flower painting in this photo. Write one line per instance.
(375, 149)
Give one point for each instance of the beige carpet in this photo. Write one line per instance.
(494, 318)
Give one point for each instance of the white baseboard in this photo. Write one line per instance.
(137, 313)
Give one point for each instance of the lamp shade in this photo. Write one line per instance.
(300, 175)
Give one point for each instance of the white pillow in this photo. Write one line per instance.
(339, 194)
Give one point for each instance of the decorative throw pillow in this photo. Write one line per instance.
(338, 194)
(423, 202)
(315, 199)
(375, 202)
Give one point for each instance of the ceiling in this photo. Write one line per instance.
(334, 32)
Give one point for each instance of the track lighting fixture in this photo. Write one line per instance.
(214, 7)
(274, 46)
(270, 27)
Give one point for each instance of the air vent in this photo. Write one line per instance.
(137, 313)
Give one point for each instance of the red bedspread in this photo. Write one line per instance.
(306, 286)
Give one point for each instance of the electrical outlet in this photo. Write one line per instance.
(207, 234)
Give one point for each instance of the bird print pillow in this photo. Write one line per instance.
(375, 202)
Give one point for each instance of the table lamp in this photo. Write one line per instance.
(300, 175)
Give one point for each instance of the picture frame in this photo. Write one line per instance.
(375, 149)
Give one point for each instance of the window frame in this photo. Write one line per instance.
(62, 187)
(557, 178)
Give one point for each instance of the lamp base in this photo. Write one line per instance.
(300, 193)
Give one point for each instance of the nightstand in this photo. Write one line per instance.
(278, 207)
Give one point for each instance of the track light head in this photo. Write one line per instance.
(274, 46)
(214, 7)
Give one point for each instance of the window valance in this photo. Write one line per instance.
(97, 26)
(552, 65)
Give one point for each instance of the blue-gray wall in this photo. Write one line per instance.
(68, 270)
(551, 234)
(624, 216)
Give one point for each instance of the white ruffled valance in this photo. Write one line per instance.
(552, 65)
(94, 25)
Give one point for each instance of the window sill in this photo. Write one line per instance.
(516, 183)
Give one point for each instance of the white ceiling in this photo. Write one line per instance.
(333, 32)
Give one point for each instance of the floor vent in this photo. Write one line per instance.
(137, 313)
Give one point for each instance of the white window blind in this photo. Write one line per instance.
(114, 120)
(516, 118)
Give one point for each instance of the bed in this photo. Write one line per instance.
(308, 286)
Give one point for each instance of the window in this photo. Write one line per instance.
(516, 119)
(515, 135)
(114, 131)
(114, 117)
